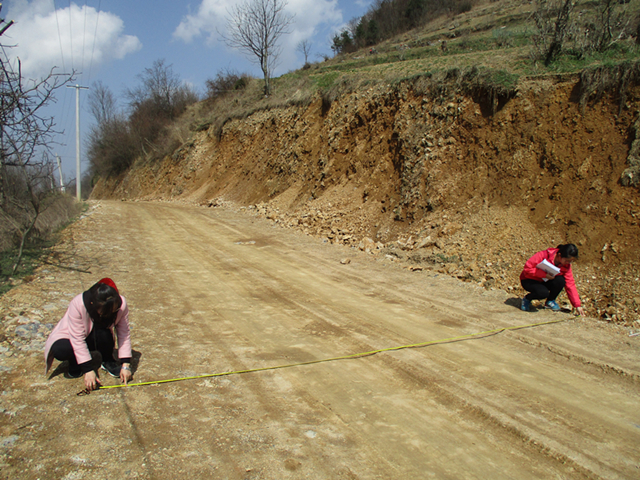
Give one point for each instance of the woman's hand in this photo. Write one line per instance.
(550, 276)
(125, 373)
(581, 311)
(91, 381)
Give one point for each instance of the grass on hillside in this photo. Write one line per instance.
(490, 48)
(493, 36)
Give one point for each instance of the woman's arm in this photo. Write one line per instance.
(572, 291)
(530, 267)
(78, 334)
(123, 333)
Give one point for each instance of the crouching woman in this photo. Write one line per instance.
(88, 325)
(547, 286)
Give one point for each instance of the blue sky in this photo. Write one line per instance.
(113, 41)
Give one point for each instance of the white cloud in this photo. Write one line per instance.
(75, 37)
(310, 17)
(210, 17)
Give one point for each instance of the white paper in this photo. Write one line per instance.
(549, 268)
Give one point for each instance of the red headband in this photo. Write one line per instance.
(111, 283)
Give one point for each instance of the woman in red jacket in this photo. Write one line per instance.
(543, 285)
(89, 324)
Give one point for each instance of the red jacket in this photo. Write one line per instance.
(531, 272)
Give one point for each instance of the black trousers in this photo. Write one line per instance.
(540, 290)
(100, 339)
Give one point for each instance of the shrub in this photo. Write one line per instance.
(225, 82)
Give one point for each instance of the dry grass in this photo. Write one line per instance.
(491, 46)
(60, 212)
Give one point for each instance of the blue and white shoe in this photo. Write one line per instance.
(526, 305)
(552, 305)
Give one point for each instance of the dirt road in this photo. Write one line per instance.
(217, 290)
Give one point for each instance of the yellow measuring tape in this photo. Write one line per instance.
(344, 357)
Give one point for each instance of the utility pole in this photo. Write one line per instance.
(78, 173)
(60, 174)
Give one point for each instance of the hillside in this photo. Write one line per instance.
(435, 165)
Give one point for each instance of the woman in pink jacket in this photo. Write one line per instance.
(543, 285)
(88, 325)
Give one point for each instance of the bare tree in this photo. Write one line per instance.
(304, 47)
(352, 26)
(255, 27)
(562, 24)
(611, 24)
(25, 139)
(596, 29)
(160, 98)
(161, 87)
(111, 147)
(102, 103)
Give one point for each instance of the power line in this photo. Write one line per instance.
(84, 35)
(95, 36)
(71, 36)
(55, 10)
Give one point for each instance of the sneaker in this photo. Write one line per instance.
(73, 373)
(112, 368)
(526, 305)
(552, 305)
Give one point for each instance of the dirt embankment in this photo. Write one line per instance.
(438, 181)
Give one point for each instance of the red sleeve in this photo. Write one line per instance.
(570, 287)
(530, 270)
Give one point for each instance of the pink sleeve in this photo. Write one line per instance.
(123, 332)
(77, 331)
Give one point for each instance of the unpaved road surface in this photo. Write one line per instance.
(218, 290)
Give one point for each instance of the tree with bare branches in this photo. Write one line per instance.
(255, 27)
(593, 30)
(561, 27)
(304, 47)
(26, 167)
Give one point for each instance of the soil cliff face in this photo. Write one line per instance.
(440, 179)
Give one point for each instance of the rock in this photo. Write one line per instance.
(27, 330)
(8, 441)
(367, 245)
(345, 261)
(451, 229)
(426, 242)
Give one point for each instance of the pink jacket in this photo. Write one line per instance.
(76, 326)
(531, 272)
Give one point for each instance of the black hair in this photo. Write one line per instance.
(568, 251)
(105, 298)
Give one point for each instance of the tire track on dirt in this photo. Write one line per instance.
(203, 259)
(520, 429)
(205, 299)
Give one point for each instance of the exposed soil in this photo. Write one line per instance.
(215, 290)
(434, 179)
